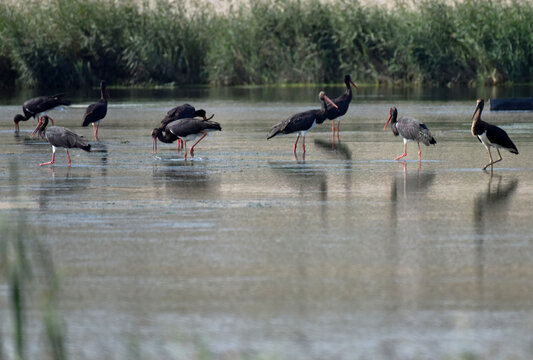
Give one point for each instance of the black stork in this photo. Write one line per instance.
(97, 111)
(182, 112)
(490, 135)
(409, 129)
(185, 129)
(39, 106)
(59, 136)
(302, 122)
(342, 102)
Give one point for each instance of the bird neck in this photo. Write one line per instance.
(166, 137)
(476, 119)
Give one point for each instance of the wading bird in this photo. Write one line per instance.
(342, 103)
(97, 111)
(39, 106)
(182, 112)
(185, 129)
(59, 136)
(409, 129)
(490, 135)
(302, 122)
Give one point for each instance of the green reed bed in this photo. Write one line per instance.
(70, 43)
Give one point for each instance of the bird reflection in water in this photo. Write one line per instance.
(341, 150)
(489, 205)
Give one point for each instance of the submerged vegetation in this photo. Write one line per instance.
(74, 43)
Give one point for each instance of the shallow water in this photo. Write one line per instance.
(247, 252)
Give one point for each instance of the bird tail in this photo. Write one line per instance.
(60, 99)
(86, 121)
(86, 147)
(212, 125)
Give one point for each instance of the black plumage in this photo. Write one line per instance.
(490, 135)
(39, 106)
(185, 129)
(97, 111)
(302, 122)
(342, 102)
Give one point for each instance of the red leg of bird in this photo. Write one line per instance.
(333, 132)
(338, 130)
(200, 139)
(296, 143)
(303, 143)
(51, 162)
(51, 120)
(96, 133)
(404, 152)
(185, 147)
(419, 153)
(180, 144)
(68, 156)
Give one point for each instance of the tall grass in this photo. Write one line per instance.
(72, 43)
(26, 265)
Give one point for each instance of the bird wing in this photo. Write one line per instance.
(62, 137)
(188, 126)
(413, 129)
(181, 112)
(43, 103)
(497, 135)
(95, 112)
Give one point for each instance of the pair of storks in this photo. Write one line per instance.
(181, 124)
(305, 121)
(59, 136)
(489, 135)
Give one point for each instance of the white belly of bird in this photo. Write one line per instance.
(485, 140)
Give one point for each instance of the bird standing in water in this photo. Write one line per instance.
(59, 136)
(409, 129)
(490, 135)
(302, 122)
(39, 106)
(97, 111)
(342, 103)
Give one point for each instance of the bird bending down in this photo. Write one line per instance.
(182, 112)
(490, 135)
(97, 111)
(39, 106)
(302, 122)
(59, 136)
(409, 129)
(342, 103)
(185, 129)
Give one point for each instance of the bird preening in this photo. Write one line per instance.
(176, 128)
(409, 129)
(59, 136)
(302, 122)
(490, 135)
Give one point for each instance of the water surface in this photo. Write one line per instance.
(248, 252)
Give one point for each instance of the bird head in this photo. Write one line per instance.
(155, 133)
(18, 118)
(393, 113)
(348, 80)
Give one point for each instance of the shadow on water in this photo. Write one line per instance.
(409, 190)
(184, 179)
(491, 204)
(341, 151)
(62, 185)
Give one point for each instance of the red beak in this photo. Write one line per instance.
(353, 84)
(390, 116)
(39, 123)
(154, 145)
(331, 102)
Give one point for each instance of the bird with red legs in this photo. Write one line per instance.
(59, 136)
(302, 122)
